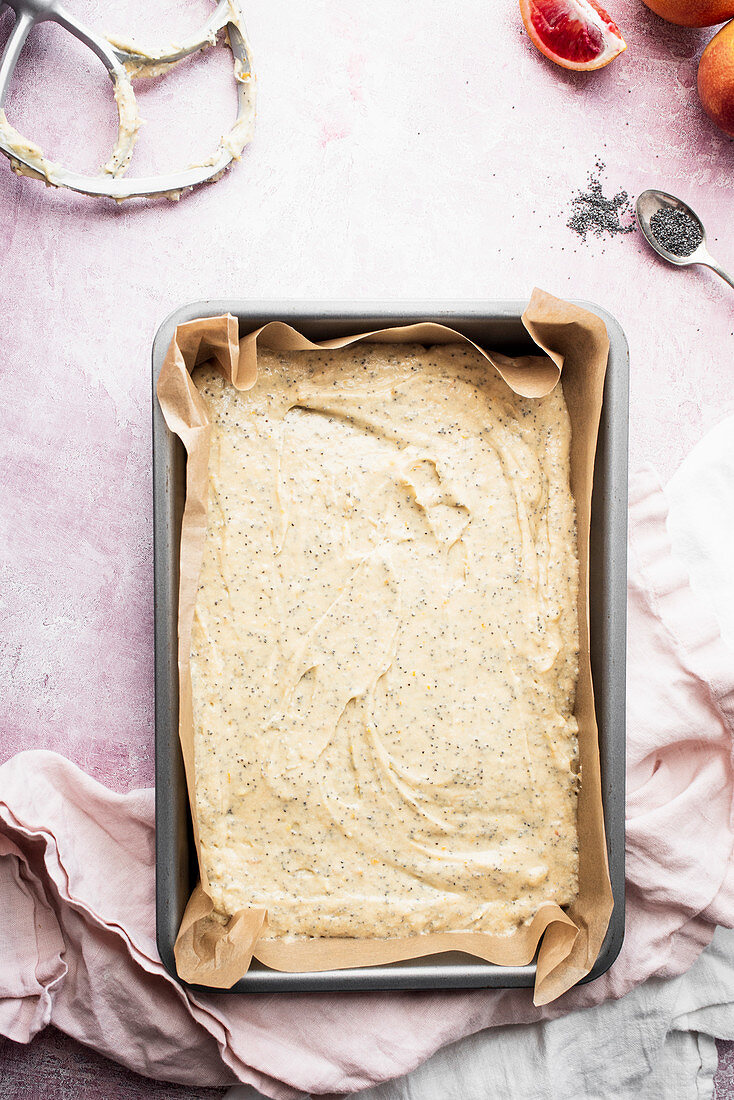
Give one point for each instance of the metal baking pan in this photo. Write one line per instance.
(495, 325)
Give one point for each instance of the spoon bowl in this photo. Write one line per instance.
(647, 206)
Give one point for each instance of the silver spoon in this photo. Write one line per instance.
(648, 204)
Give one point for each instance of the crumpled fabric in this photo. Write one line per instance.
(78, 908)
(656, 1043)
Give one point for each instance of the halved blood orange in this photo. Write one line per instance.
(577, 34)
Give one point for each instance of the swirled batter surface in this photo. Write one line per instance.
(384, 652)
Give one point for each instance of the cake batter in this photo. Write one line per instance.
(385, 646)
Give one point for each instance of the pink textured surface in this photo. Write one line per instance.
(413, 150)
(724, 1081)
(55, 1067)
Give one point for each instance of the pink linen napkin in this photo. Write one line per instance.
(77, 887)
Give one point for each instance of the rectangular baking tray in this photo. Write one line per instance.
(495, 325)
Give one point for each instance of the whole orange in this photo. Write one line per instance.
(693, 13)
(716, 79)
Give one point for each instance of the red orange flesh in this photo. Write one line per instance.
(576, 34)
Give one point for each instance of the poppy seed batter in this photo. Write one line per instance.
(385, 646)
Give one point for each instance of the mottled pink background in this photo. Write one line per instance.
(421, 149)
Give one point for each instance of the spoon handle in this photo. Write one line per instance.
(719, 270)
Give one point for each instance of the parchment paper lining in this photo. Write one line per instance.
(213, 950)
